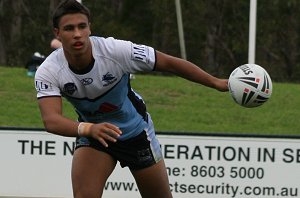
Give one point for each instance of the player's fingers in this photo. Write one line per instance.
(102, 141)
(109, 136)
(110, 133)
(103, 138)
(106, 132)
(112, 129)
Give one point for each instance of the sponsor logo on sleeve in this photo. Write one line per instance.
(43, 86)
(140, 53)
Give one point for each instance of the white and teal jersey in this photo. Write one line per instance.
(103, 93)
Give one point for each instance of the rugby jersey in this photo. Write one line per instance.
(103, 94)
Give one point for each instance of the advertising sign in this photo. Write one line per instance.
(38, 164)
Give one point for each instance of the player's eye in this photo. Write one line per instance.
(68, 28)
(82, 26)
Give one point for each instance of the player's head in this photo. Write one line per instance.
(69, 7)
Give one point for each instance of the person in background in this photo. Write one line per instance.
(113, 124)
(55, 44)
(35, 61)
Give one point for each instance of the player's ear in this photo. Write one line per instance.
(90, 28)
(56, 33)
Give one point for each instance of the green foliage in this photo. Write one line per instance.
(175, 104)
(278, 39)
(216, 31)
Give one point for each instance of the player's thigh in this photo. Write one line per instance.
(90, 170)
(153, 181)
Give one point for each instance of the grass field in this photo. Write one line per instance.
(174, 103)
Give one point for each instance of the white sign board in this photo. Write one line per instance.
(38, 164)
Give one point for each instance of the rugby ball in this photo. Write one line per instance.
(250, 85)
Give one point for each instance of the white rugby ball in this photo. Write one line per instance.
(250, 85)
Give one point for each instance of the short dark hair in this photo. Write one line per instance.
(69, 7)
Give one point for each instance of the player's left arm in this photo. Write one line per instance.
(189, 71)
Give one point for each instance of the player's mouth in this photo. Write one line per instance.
(78, 45)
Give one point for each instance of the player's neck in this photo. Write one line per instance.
(83, 69)
(80, 62)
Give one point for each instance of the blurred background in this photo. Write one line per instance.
(216, 32)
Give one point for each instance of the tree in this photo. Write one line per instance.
(27, 29)
(278, 38)
(216, 31)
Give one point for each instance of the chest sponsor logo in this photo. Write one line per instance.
(86, 81)
(70, 88)
(108, 79)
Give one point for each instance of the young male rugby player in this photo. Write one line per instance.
(113, 125)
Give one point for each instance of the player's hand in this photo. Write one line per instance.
(104, 132)
(221, 85)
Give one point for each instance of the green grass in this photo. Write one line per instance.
(18, 103)
(174, 103)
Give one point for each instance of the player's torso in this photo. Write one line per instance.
(103, 93)
(102, 85)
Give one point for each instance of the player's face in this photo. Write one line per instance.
(73, 32)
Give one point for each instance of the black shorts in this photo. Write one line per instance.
(137, 153)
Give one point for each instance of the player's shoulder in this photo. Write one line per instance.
(106, 40)
(109, 43)
(53, 63)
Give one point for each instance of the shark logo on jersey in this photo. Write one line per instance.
(70, 88)
(108, 79)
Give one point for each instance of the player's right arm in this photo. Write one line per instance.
(56, 123)
(53, 119)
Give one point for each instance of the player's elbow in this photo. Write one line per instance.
(50, 124)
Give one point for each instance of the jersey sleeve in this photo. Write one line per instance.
(45, 83)
(142, 57)
(131, 56)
